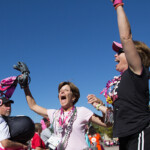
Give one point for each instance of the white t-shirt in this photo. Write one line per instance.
(76, 140)
(45, 135)
(4, 129)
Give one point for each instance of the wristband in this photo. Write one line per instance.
(120, 4)
(98, 105)
(116, 2)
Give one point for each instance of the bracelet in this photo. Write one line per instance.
(120, 4)
(98, 105)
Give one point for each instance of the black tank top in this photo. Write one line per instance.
(131, 111)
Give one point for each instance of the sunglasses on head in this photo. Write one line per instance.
(120, 51)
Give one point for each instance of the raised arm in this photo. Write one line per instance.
(32, 104)
(131, 53)
(100, 121)
(97, 103)
(107, 119)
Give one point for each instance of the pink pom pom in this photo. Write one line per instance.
(43, 124)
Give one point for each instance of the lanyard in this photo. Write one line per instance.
(61, 120)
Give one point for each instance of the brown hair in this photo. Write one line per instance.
(74, 89)
(144, 52)
(92, 131)
(38, 127)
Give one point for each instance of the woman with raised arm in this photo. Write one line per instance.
(130, 94)
(68, 123)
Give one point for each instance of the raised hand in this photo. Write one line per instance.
(92, 99)
(24, 78)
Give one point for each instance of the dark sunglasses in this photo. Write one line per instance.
(120, 51)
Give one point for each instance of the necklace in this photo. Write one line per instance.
(62, 124)
(63, 118)
(68, 130)
(108, 90)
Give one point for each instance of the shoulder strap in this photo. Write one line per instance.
(52, 124)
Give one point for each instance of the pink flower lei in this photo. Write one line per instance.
(108, 89)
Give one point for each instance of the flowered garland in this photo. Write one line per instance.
(108, 89)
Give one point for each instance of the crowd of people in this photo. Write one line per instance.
(128, 93)
(41, 138)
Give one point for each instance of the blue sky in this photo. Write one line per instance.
(63, 40)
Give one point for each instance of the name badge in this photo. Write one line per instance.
(53, 141)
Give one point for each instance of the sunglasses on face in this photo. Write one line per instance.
(120, 51)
